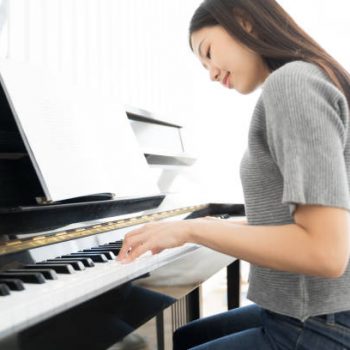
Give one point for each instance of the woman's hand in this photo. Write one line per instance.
(157, 236)
(154, 236)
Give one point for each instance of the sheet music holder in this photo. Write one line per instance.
(62, 145)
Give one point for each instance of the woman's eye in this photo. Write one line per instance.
(208, 53)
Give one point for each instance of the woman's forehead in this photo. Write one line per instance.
(204, 33)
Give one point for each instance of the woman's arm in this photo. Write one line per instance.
(317, 244)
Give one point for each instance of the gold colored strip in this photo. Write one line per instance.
(39, 241)
(12, 243)
(61, 233)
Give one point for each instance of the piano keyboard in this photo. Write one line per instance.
(28, 297)
(60, 276)
(41, 272)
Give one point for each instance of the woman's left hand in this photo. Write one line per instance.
(154, 236)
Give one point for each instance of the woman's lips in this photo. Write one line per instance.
(226, 81)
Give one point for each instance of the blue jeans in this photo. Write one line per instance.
(254, 328)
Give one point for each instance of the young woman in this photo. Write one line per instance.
(295, 176)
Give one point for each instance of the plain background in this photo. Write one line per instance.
(137, 51)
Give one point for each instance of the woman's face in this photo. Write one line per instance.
(227, 60)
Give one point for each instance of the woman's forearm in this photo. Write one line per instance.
(285, 247)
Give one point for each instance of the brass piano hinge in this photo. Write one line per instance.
(67, 235)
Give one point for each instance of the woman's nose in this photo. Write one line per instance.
(214, 73)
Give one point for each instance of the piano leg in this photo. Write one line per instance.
(184, 311)
(233, 285)
(194, 303)
(160, 331)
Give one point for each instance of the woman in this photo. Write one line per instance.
(295, 176)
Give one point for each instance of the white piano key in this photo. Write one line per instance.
(38, 302)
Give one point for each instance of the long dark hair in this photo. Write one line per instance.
(276, 37)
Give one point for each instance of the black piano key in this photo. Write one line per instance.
(224, 216)
(116, 243)
(13, 284)
(94, 257)
(77, 265)
(26, 277)
(59, 268)
(109, 255)
(114, 246)
(111, 247)
(114, 250)
(106, 248)
(4, 290)
(86, 261)
(47, 273)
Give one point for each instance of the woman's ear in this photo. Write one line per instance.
(243, 19)
(245, 24)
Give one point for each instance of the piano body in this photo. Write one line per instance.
(60, 285)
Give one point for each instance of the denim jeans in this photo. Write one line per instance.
(253, 328)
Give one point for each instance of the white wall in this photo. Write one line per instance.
(137, 51)
(226, 115)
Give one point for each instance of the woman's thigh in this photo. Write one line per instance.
(251, 327)
(326, 333)
(207, 329)
(330, 332)
(251, 339)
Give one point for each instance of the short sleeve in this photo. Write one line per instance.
(306, 124)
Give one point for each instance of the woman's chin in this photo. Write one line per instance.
(246, 89)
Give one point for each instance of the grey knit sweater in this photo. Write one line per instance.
(298, 152)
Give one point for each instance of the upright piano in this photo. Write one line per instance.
(60, 284)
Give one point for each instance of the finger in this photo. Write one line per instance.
(210, 218)
(135, 232)
(129, 243)
(133, 239)
(135, 252)
(155, 251)
(124, 248)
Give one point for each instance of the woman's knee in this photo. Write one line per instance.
(191, 334)
(182, 337)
